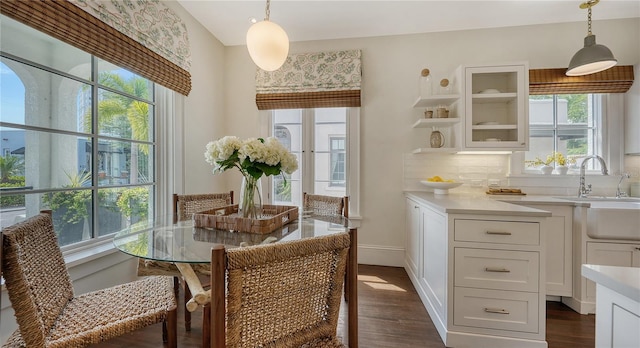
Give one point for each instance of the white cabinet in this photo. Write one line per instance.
(632, 118)
(496, 107)
(558, 248)
(478, 276)
(413, 237)
(610, 254)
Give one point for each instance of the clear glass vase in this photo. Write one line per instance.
(250, 203)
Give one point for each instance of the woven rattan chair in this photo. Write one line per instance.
(325, 205)
(184, 206)
(50, 315)
(285, 294)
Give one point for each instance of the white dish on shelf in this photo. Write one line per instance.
(440, 188)
(490, 91)
(489, 123)
(493, 139)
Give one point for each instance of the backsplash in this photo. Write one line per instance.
(477, 172)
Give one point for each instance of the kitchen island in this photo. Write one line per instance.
(478, 266)
(617, 305)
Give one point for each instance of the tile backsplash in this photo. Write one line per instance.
(477, 172)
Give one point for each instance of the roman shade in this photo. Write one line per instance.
(554, 81)
(312, 80)
(144, 37)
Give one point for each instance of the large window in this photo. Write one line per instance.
(77, 138)
(320, 139)
(569, 123)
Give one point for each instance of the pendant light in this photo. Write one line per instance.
(592, 58)
(268, 43)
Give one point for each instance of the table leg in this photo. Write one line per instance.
(206, 326)
(352, 288)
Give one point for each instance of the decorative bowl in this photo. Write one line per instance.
(441, 188)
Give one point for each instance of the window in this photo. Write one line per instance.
(338, 157)
(80, 134)
(567, 123)
(325, 142)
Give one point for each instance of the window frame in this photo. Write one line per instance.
(611, 139)
(352, 145)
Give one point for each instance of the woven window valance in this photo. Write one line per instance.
(87, 24)
(310, 80)
(554, 81)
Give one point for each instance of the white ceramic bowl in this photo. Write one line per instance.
(441, 188)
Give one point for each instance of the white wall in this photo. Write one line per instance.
(391, 67)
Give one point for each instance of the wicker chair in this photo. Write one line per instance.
(285, 294)
(326, 205)
(50, 315)
(184, 206)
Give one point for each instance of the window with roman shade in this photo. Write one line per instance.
(312, 80)
(144, 37)
(554, 81)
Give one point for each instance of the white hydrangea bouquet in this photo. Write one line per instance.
(253, 157)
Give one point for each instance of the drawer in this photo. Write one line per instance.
(497, 269)
(496, 309)
(501, 232)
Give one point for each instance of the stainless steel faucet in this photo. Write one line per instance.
(619, 193)
(583, 190)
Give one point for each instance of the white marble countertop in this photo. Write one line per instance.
(474, 204)
(623, 280)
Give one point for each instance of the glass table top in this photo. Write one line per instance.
(161, 239)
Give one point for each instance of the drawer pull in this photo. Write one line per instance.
(496, 269)
(496, 310)
(499, 233)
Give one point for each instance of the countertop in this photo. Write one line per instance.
(623, 280)
(478, 204)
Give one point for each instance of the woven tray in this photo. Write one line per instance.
(227, 218)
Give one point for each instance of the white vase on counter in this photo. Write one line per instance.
(546, 169)
(562, 170)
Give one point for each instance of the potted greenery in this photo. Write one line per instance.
(545, 165)
(70, 209)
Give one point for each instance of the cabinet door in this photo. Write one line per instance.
(434, 265)
(496, 103)
(413, 243)
(610, 254)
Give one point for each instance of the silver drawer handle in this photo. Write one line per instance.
(496, 269)
(496, 310)
(499, 233)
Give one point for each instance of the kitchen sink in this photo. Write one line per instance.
(613, 220)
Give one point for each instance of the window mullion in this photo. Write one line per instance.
(94, 147)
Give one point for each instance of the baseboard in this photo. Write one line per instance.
(581, 307)
(380, 255)
(463, 339)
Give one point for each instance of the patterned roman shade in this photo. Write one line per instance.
(144, 37)
(554, 81)
(311, 80)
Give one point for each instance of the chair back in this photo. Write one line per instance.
(325, 205)
(184, 206)
(36, 276)
(285, 294)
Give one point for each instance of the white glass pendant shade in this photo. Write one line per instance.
(592, 58)
(268, 45)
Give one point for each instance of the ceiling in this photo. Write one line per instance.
(333, 19)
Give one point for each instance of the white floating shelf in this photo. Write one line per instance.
(423, 150)
(493, 97)
(494, 127)
(435, 122)
(436, 100)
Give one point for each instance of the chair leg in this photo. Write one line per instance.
(171, 327)
(176, 286)
(187, 314)
(206, 325)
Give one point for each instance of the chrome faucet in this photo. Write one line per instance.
(620, 194)
(583, 190)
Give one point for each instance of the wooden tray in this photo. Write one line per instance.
(506, 193)
(227, 218)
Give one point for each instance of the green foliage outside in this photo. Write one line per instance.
(73, 205)
(134, 202)
(10, 165)
(8, 201)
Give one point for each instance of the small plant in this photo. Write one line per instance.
(555, 156)
(561, 160)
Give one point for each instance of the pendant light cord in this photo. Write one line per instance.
(588, 20)
(267, 12)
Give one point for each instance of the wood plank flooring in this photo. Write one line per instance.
(390, 315)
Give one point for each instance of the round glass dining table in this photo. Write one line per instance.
(182, 243)
(163, 240)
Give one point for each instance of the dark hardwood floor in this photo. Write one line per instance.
(390, 315)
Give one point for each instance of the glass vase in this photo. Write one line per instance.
(250, 204)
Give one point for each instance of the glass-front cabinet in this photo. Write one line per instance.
(496, 112)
